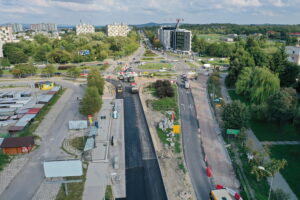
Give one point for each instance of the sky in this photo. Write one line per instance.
(102, 12)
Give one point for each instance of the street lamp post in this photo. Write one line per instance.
(272, 178)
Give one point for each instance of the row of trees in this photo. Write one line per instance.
(281, 31)
(92, 101)
(250, 53)
(66, 49)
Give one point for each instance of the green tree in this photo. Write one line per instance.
(49, 70)
(4, 62)
(14, 54)
(41, 52)
(258, 82)
(59, 56)
(95, 79)
(278, 60)
(235, 115)
(289, 74)
(296, 120)
(41, 39)
(24, 70)
(238, 61)
(74, 72)
(91, 102)
(282, 105)
(259, 56)
(244, 82)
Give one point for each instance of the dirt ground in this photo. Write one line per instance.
(177, 181)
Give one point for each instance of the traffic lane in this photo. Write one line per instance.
(192, 146)
(135, 186)
(145, 172)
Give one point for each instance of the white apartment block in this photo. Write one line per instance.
(16, 27)
(117, 30)
(84, 29)
(293, 53)
(6, 34)
(1, 50)
(43, 27)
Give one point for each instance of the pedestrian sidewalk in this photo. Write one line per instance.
(279, 182)
(214, 147)
(280, 142)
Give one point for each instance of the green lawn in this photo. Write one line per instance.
(149, 53)
(78, 142)
(291, 172)
(266, 131)
(109, 193)
(210, 37)
(155, 66)
(4, 159)
(192, 65)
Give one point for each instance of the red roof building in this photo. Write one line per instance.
(17, 145)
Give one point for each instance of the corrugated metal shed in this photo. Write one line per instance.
(25, 120)
(79, 124)
(23, 111)
(89, 145)
(63, 168)
(38, 106)
(33, 111)
(12, 129)
(44, 98)
(55, 89)
(7, 111)
(93, 131)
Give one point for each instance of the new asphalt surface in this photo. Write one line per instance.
(143, 176)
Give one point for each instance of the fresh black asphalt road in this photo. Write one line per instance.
(193, 153)
(143, 176)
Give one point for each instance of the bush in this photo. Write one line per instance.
(164, 88)
(65, 67)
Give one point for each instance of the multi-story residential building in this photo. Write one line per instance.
(16, 27)
(43, 27)
(6, 34)
(164, 34)
(293, 53)
(84, 29)
(1, 50)
(117, 30)
(176, 39)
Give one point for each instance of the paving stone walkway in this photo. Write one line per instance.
(280, 142)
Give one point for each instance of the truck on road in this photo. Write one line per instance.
(186, 85)
(119, 88)
(134, 88)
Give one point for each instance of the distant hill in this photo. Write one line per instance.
(150, 24)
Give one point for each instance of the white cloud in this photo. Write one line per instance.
(244, 3)
(277, 3)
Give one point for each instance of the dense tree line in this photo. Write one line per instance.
(267, 82)
(66, 49)
(92, 101)
(282, 30)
